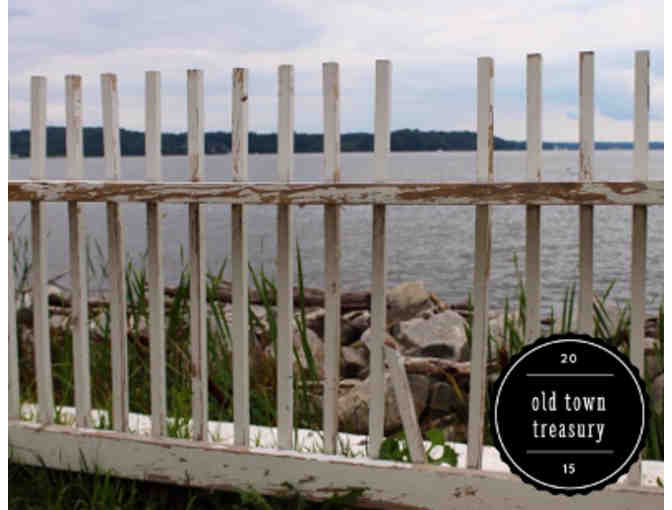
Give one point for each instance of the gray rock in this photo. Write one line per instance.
(441, 332)
(58, 321)
(407, 300)
(390, 341)
(24, 317)
(316, 346)
(353, 407)
(56, 296)
(353, 325)
(315, 320)
(444, 398)
(353, 362)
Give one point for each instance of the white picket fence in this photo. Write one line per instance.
(221, 465)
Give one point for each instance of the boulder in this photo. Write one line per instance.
(390, 341)
(315, 320)
(353, 361)
(59, 321)
(24, 317)
(444, 398)
(56, 296)
(353, 325)
(498, 328)
(443, 332)
(316, 346)
(353, 407)
(407, 300)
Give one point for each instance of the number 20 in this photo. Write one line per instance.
(568, 358)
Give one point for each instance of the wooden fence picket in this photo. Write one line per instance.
(157, 334)
(239, 263)
(482, 240)
(379, 262)
(332, 255)
(197, 299)
(586, 212)
(38, 160)
(78, 269)
(285, 261)
(640, 172)
(533, 212)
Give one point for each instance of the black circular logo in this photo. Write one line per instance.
(569, 414)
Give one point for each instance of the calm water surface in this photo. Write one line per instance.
(429, 243)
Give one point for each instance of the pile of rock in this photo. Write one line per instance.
(430, 334)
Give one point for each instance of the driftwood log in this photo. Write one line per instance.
(350, 301)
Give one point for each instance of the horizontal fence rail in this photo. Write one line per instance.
(204, 462)
(345, 193)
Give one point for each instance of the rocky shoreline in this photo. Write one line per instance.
(433, 337)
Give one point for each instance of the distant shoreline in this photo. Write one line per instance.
(14, 156)
(219, 142)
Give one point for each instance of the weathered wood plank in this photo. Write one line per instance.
(379, 262)
(239, 263)
(332, 255)
(14, 395)
(38, 161)
(197, 299)
(285, 261)
(639, 225)
(640, 152)
(388, 193)
(157, 341)
(14, 399)
(115, 246)
(218, 467)
(482, 241)
(533, 212)
(586, 213)
(78, 269)
(406, 403)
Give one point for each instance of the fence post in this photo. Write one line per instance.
(199, 338)
(157, 341)
(78, 269)
(38, 157)
(586, 151)
(239, 261)
(379, 264)
(639, 227)
(533, 212)
(285, 260)
(332, 255)
(482, 239)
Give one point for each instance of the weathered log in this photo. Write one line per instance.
(350, 301)
(439, 368)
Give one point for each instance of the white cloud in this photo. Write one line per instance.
(433, 46)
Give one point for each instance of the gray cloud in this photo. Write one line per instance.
(15, 12)
(433, 48)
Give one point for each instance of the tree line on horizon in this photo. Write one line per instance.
(219, 142)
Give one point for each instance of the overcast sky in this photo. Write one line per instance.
(433, 46)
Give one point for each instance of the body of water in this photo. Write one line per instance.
(430, 243)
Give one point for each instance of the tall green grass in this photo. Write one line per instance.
(614, 330)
